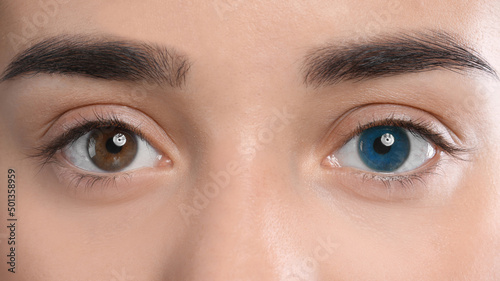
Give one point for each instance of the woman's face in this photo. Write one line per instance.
(250, 140)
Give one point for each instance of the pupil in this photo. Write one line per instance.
(384, 148)
(381, 148)
(112, 147)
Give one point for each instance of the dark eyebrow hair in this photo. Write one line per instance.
(101, 58)
(390, 55)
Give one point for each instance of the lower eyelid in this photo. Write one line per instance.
(381, 188)
(103, 188)
(388, 187)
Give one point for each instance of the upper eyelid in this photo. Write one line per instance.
(107, 119)
(418, 127)
(80, 120)
(101, 122)
(47, 151)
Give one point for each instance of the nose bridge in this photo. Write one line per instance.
(231, 243)
(236, 186)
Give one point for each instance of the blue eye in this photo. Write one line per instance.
(385, 149)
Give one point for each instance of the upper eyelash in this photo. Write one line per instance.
(419, 128)
(47, 151)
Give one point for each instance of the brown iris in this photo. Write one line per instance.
(112, 149)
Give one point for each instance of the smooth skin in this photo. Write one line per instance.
(246, 132)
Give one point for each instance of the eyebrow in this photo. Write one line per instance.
(390, 55)
(101, 58)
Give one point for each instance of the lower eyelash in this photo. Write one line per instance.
(87, 181)
(48, 153)
(406, 182)
(90, 180)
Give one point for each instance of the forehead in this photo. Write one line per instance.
(245, 21)
(253, 32)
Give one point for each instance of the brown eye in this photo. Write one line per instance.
(112, 150)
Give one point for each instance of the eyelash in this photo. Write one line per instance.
(419, 128)
(47, 152)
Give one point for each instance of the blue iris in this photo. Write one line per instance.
(384, 148)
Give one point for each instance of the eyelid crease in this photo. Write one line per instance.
(46, 152)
